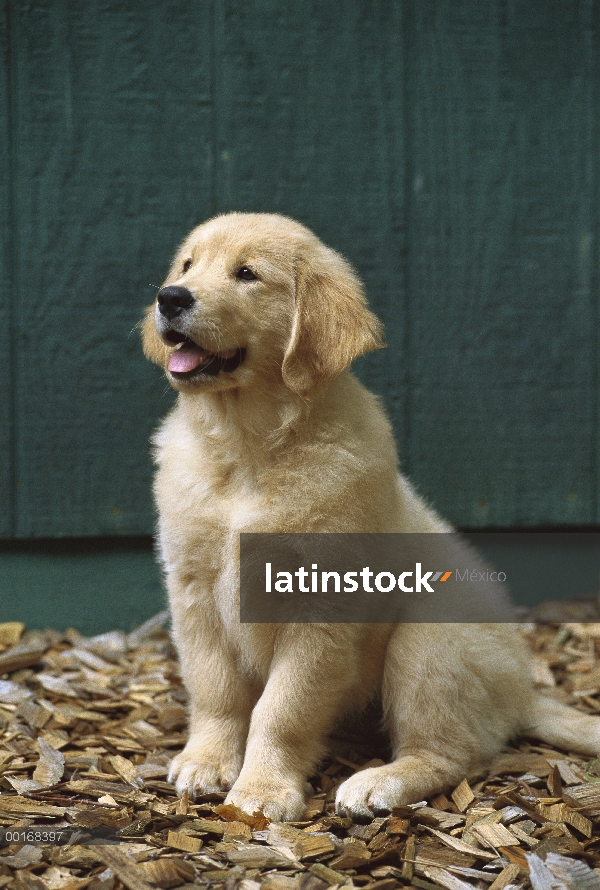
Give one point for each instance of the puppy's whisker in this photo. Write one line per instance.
(219, 330)
(136, 327)
(238, 345)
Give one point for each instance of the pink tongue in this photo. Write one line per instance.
(186, 358)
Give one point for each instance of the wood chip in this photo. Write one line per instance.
(274, 881)
(91, 660)
(385, 871)
(26, 856)
(126, 770)
(463, 796)
(259, 857)
(172, 716)
(19, 657)
(183, 804)
(108, 801)
(147, 630)
(100, 817)
(311, 846)
(23, 786)
(446, 879)
(128, 872)
(385, 884)
(76, 856)
(523, 836)
(482, 814)
(166, 872)
(380, 842)
(425, 885)
(516, 856)
(299, 843)
(14, 693)
(589, 680)
(231, 813)
(23, 806)
(431, 816)
(57, 685)
(283, 834)
(143, 730)
(314, 806)
(397, 825)
(494, 835)
(69, 713)
(408, 866)
(97, 787)
(568, 873)
(367, 832)
(585, 796)
(328, 875)
(558, 872)
(51, 765)
(555, 782)
(441, 802)
(353, 855)
(561, 812)
(591, 629)
(212, 826)
(507, 876)
(34, 715)
(568, 775)
(181, 841)
(461, 846)
(237, 831)
(10, 633)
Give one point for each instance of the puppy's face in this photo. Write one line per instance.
(257, 295)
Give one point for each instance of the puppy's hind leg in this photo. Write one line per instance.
(412, 777)
(560, 725)
(444, 721)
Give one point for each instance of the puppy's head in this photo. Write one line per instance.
(257, 295)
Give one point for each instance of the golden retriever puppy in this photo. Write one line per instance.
(256, 327)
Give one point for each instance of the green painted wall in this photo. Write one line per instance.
(450, 149)
(93, 585)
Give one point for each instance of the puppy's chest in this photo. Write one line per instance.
(202, 503)
(200, 518)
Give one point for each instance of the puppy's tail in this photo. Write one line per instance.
(565, 727)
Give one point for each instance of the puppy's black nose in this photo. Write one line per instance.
(173, 299)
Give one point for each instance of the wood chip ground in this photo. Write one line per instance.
(88, 726)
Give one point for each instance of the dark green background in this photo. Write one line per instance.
(449, 148)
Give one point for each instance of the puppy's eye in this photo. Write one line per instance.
(187, 265)
(245, 274)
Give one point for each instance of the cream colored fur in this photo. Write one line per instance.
(292, 442)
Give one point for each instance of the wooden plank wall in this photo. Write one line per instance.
(449, 148)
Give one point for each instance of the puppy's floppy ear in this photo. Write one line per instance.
(153, 346)
(332, 323)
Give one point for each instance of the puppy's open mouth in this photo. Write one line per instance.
(191, 360)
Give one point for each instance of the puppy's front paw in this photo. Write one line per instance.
(278, 801)
(195, 772)
(371, 792)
